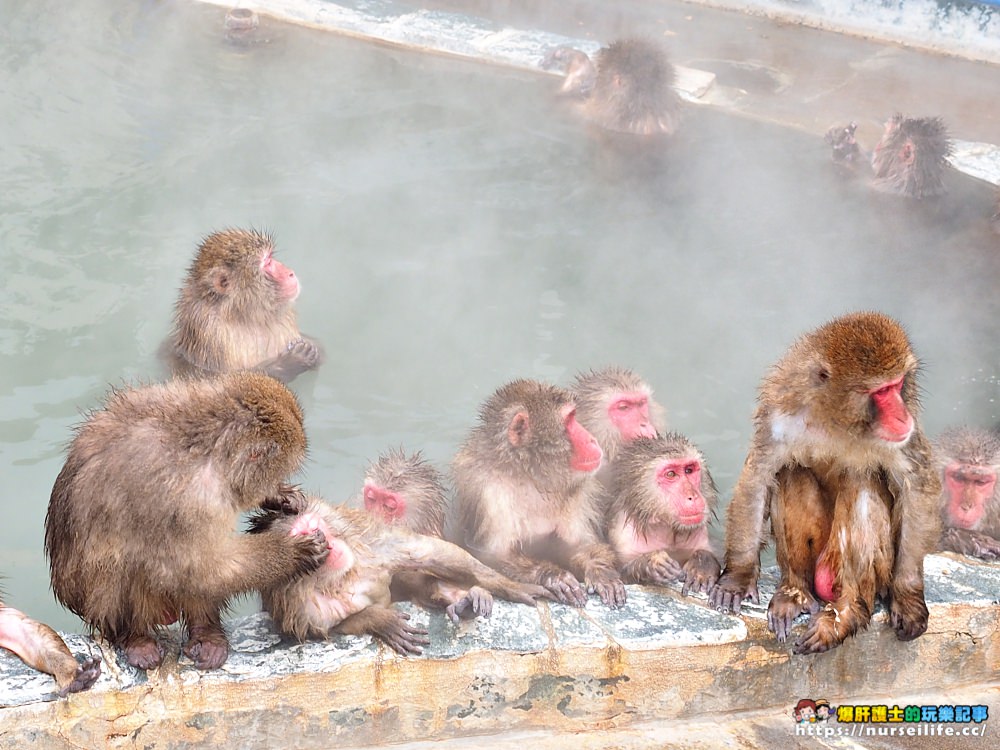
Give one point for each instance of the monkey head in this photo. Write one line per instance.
(617, 406)
(406, 490)
(911, 155)
(236, 269)
(969, 459)
(341, 557)
(853, 377)
(535, 432)
(843, 142)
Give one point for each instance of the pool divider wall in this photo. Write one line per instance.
(554, 668)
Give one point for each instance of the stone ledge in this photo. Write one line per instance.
(552, 668)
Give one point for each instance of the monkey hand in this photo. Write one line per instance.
(732, 588)
(563, 586)
(657, 568)
(86, 675)
(908, 614)
(824, 631)
(477, 602)
(311, 550)
(207, 646)
(608, 585)
(973, 543)
(398, 635)
(290, 500)
(300, 355)
(788, 603)
(700, 573)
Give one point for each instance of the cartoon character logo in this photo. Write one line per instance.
(805, 711)
(824, 710)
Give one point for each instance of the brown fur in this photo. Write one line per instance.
(356, 600)
(979, 448)
(521, 507)
(640, 509)
(41, 648)
(837, 495)
(911, 157)
(231, 316)
(139, 529)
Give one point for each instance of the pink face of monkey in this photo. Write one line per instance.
(341, 558)
(679, 479)
(587, 454)
(629, 413)
(283, 276)
(385, 504)
(969, 488)
(894, 421)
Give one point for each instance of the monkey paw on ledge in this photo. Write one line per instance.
(553, 667)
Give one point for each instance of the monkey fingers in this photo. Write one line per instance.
(701, 571)
(207, 646)
(143, 652)
(787, 604)
(564, 586)
(608, 585)
(399, 636)
(290, 500)
(824, 631)
(86, 675)
(477, 602)
(301, 355)
(731, 589)
(908, 614)
(312, 548)
(986, 546)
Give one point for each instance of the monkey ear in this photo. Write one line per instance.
(907, 153)
(220, 281)
(821, 374)
(519, 429)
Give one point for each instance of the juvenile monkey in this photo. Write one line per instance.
(139, 530)
(235, 312)
(968, 459)
(41, 648)
(350, 592)
(526, 498)
(840, 465)
(406, 491)
(629, 88)
(661, 498)
(616, 406)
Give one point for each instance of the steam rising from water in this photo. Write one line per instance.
(453, 227)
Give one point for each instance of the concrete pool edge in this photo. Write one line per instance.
(555, 669)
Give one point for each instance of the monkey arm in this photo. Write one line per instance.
(267, 558)
(969, 542)
(41, 648)
(388, 625)
(301, 355)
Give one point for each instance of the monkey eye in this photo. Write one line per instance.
(671, 474)
(690, 468)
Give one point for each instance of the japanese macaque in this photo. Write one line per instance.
(840, 465)
(616, 406)
(908, 160)
(235, 312)
(526, 498)
(969, 459)
(41, 648)
(661, 498)
(350, 592)
(628, 89)
(140, 526)
(408, 492)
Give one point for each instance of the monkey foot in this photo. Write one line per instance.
(143, 652)
(700, 573)
(86, 675)
(401, 637)
(908, 615)
(478, 602)
(565, 588)
(207, 647)
(729, 592)
(787, 604)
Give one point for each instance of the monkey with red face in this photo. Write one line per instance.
(616, 406)
(969, 459)
(839, 464)
(408, 492)
(235, 312)
(526, 498)
(661, 498)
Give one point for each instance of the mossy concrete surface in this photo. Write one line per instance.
(546, 671)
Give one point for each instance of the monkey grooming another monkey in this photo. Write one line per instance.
(406, 491)
(616, 406)
(235, 312)
(630, 89)
(909, 159)
(526, 498)
(41, 648)
(968, 459)
(661, 498)
(350, 592)
(140, 526)
(839, 464)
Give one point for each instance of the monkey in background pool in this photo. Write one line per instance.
(840, 465)
(969, 459)
(236, 312)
